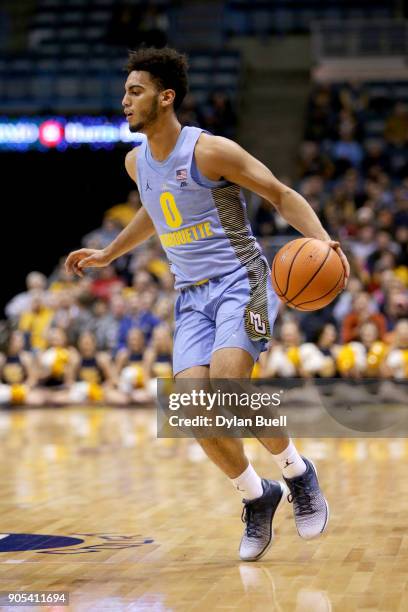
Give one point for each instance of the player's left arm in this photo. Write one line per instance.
(218, 157)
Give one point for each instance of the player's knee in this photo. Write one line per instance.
(231, 363)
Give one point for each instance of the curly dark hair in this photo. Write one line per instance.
(167, 67)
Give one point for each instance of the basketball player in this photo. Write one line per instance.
(189, 182)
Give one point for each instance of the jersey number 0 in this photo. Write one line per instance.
(170, 211)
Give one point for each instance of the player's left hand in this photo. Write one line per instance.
(336, 246)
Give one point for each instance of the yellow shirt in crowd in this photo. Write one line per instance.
(36, 324)
(122, 213)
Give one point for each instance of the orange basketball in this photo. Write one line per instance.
(307, 274)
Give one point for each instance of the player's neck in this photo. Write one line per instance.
(162, 139)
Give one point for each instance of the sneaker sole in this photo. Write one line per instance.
(267, 547)
(317, 535)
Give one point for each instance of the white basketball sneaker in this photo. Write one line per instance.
(258, 514)
(310, 506)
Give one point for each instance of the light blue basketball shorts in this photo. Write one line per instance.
(233, 311)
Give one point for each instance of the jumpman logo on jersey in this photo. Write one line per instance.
(148, 186)
(288, 463)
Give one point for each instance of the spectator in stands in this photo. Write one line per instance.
(365, 243)
(142, 281)
(93, 375)
(35, 281)
(396, 126)
(108, 327)
(83, 319)
(396, 363)
(219, 115)
(159, 355)
(320, 113)
(397, 153)
(63, 305)
(123, 28)
(150, 258)
(326, 342)
(375, 349)
(313, 161)
(364, 309)
(387, 261)
(339, 212)
(129, 362)
(385, 244)
(141, 24)
(354, 97)
(140, 315)
(375, 157)
(157, 363)
(190, 112)
(56, 361)
(106, 283)
(401, 206)
(164, 310)
(153, 26)
(318, 358)
(122, 214)
(264, 220)
(18, 366)
(312, 188)
(378, 193)
(346, 122)
(35, 321)
(401, 239)
(101, 237)
(101, 324)
(396, 308)
(60, 279)
(344, 302)
(19, 375)
(283, 358)
(312, 321)
(364, 355)
(385, 220)
(385, 283)
(347, 151)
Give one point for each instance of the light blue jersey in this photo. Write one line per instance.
(203, 226)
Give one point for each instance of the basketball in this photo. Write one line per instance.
(307, 274)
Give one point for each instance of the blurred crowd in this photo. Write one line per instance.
(132, 25)
(107, 337)
(353, 170)
(216, 114)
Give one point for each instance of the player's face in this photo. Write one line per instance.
(141, 101)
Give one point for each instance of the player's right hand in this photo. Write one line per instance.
(86, 258)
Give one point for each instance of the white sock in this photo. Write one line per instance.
(290, 462)
(248, 483)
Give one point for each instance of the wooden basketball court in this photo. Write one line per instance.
(155, 526)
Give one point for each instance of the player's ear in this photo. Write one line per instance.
(167, 97)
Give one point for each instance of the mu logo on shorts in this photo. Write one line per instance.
(255, 320)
